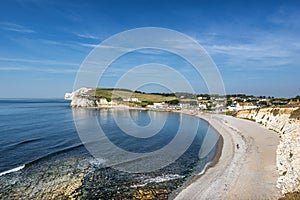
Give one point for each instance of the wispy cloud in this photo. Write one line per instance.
(286, 16)
(47, 62)
(87, 36)
(101, 46)
(50, 70)
(69, 44)
(263, 51)
(15, 27)
(253, 51)
(88, 45)
(36, 65)
(5, 68)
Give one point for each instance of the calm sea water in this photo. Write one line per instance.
(31, 129)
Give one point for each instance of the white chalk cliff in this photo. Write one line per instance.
(288, 150)
(83, 98)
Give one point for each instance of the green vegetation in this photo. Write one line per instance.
(185, 95)
(253, 120)
(145, 103)
(211, 101)
(189, 101)
(119, 94)
(284, 173)
(229, 102)
(275, 112)
(173, 102)
(291, 196)
(295, 114)
(230, 113)
(262, 103)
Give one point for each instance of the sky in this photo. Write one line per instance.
(254, 44)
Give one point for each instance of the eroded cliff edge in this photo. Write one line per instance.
(286, 123)
(85, 97)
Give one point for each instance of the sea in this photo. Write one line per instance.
(46, 152)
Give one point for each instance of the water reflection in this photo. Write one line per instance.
(129, 141)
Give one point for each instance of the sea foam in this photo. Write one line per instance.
(12, 170)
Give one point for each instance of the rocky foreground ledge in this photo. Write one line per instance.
(286, 122)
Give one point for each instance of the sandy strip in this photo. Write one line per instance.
(245, 173)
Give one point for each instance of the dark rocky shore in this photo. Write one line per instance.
(74, 174)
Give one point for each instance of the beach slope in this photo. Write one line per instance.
(245, 173)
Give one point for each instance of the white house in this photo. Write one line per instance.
(161, 105)
(133, 99)
(241, 106)
(202, 106)
(102, 101)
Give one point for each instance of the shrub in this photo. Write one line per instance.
(295, 114)
(275, 112)
(291, 196)
(284, 173)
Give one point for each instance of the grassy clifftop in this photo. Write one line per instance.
(118, 94)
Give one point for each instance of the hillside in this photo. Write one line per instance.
(90, 97)
(118, 94)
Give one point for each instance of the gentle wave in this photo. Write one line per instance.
(54, 153)
(163, 178)
(97, 162)
(12, 170)
(15, 145)
(159, 179)
(204, 169)
(28, 141)
(39, 159)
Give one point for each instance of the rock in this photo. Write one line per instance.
(81, 98)
(68, 96)
(84, 97)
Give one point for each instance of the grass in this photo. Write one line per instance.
(118, 94)
(230, 113)
(275, 112)
(291, 196)
(253, 120)
(284, 173)
(295, 114)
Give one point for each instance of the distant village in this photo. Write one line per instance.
(230, 103)
(179, 101)
(216, 103)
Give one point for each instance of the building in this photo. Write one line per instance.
(294, 103)
(161, 105)
(202, 106)
(241, 106)
(131, 99)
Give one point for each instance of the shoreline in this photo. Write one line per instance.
(237, 173)
(245, 173)
(209, 165)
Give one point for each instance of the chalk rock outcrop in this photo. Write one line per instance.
(84, 97)
(287, 125)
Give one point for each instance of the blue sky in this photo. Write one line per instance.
(255, 45)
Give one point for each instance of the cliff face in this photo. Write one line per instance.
(287, 125)
(82, 98)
